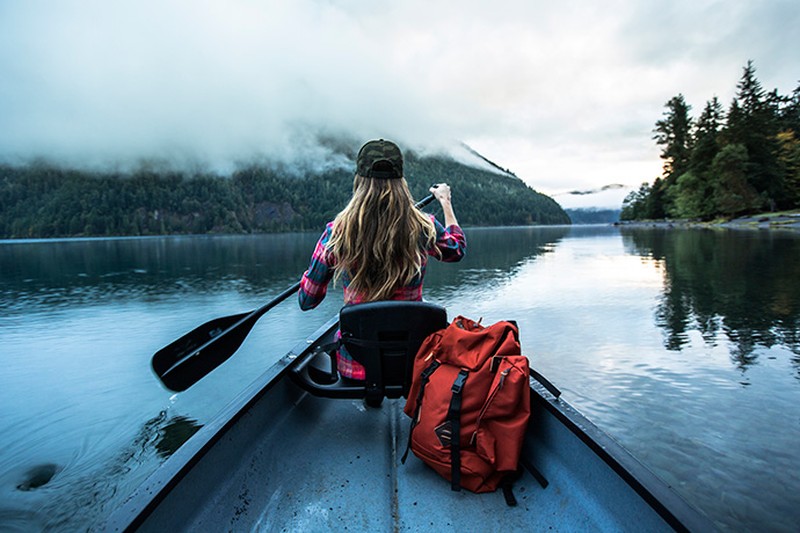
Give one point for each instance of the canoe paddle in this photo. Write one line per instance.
(184, 362)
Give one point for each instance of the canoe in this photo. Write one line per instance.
(279, 458)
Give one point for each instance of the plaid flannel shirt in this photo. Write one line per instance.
(450, 243)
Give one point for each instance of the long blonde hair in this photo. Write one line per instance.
(380, 239)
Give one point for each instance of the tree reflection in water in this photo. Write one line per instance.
(740, 284)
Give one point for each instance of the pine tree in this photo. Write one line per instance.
(635, 203)
(756, 131)
(692, 194)
(789, 158)
(790, 113)
(733, 194)
(673, 132)
(789, 146)
(706, 143)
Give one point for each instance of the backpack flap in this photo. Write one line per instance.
(467, 344)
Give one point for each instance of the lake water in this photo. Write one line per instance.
(684, 345)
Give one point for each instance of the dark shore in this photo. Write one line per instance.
(784, 220)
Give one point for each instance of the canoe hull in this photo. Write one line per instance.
(280, 458)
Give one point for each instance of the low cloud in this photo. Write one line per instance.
(563, 94)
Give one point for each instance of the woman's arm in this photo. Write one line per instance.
(441, 192)
(314, 284)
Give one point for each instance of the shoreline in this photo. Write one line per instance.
(785, 220)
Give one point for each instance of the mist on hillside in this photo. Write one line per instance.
(118, 86)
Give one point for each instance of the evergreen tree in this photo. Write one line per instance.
(673, 132)
(656, 205)
(756, 129)
(644, 203)
(733, 194)
(789, 146)
(634, 204)
(692, 194)
(790, 113)
(735, 130)
(706, 143)
(789, 158)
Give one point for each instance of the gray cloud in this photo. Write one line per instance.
(565, 94)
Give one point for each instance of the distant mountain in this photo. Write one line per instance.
(593, 215)
(43, 200)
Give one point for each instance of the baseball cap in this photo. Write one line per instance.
(380, 159)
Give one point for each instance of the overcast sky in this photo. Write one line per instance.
(565, 94)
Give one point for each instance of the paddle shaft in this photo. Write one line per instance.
(184, 362)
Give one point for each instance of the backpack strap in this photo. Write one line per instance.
(425, 376)
(366, 343)
(454, 417)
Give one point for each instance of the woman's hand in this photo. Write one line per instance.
(441, 192)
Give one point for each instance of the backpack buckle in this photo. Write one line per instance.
(458, 384)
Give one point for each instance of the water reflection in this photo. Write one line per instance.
(173, 434)
(501, 253)
(738, 284)
(47, 274)
(55, 273)
(493, 257)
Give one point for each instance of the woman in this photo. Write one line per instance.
(378, 246)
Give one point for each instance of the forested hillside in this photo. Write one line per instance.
(42, 200)
(725, 164)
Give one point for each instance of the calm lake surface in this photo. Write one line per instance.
(684, 345)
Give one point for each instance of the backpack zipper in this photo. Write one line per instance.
(489, 400)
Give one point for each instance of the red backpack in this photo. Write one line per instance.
(470, 381)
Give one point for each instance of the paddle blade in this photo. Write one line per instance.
(185, 361)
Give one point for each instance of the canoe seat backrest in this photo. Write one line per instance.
(384, 337)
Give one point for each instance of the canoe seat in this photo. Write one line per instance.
(384, 337)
